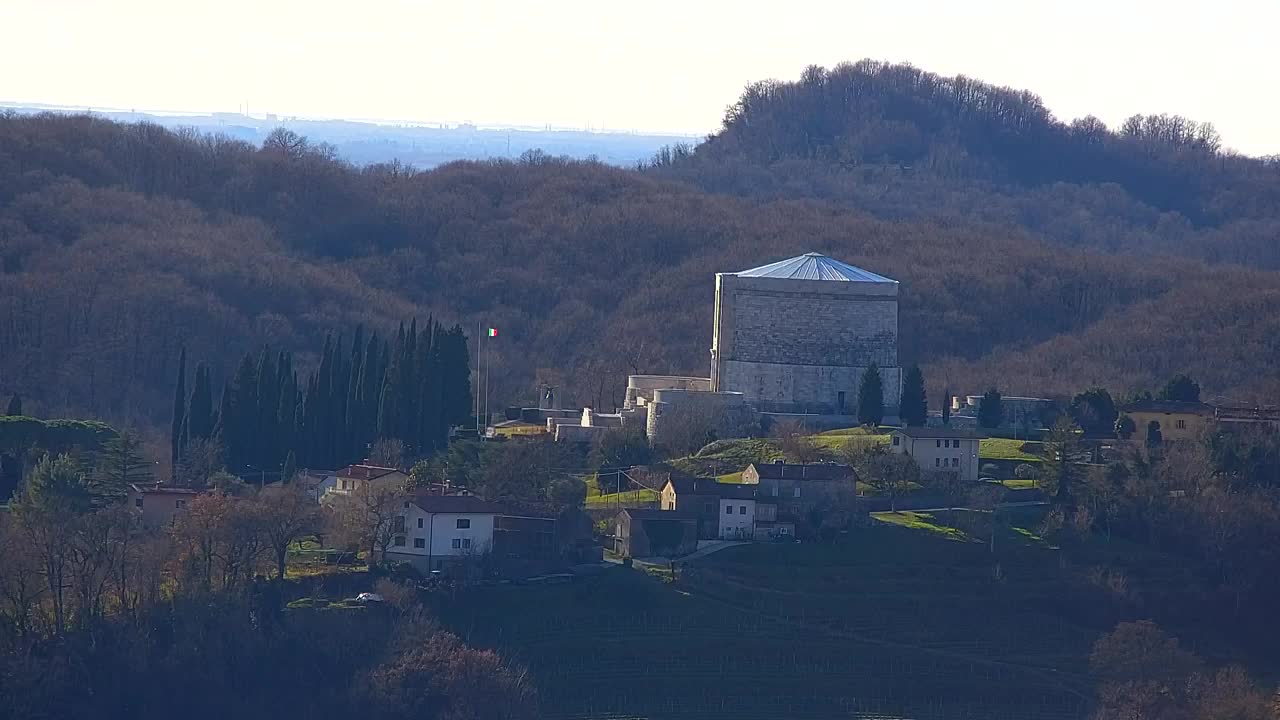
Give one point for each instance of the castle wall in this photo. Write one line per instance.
(795, 345)
(777, 387)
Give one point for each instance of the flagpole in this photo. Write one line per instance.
(478, 371)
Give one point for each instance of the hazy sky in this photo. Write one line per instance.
(652, 65)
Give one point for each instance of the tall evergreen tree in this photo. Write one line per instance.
(455, 377)
(120, 463)
(200, 410)
(266, 445)
(990, 409)
(179, 414)
(290, 469)
(914, 405)
(871, 397)
(387, 412)
(15, 405)
(946, 407)
(241, 425)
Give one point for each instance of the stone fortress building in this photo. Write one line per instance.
(796, 336)
(790, 340)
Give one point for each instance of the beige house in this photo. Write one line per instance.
(938, 450)
(156, 505)
(353, 477)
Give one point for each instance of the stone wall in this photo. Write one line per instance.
(775, 387)
(795, 345)
(643, 386)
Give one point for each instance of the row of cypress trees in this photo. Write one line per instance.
(913, 407)
(411, 388)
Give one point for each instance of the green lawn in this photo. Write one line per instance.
(733, 477)
(641, 497)
(1006, 449)
(1021, 484)
(924, 522)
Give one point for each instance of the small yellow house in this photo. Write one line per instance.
(1175, 420)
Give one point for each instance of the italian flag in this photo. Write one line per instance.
(493, 332)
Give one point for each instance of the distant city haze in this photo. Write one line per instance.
(658, 66)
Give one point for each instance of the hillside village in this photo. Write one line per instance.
(990, 486)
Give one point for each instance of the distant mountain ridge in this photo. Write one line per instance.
(121, 243)
(422, 145)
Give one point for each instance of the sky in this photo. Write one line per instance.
(658, 65)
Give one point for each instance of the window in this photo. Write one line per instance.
(1182, 424)
(419, 523)
(464, 523)
(742, 509)
(708, 509)
(796, 492)
(840, 401)
(896, 440)
(955, 462)
(180, 504)
(728, 509)
(398, 525)
(420, 543)
(137, 503)
(406, 504)
(399, 541)
(457, 543)
(939, 442)
(937, 462)
(466, 543)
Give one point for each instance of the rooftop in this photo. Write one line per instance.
(792, 471)
(1169, 406)
(157, 488)
(814, 266)
(365, 472)
(939, 432)
(465, 504)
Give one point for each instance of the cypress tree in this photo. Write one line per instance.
(455, 377)
(387, 411)
(179, 415)
(946, 407)
(224, 424)
(321, 433)
(15, 406)
(267, 453)
(871, 397)
(241, 426)
(990, 409)
(200, 411)
(290, 468)
(914, 406)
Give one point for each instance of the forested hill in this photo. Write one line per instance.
(120, 244)
(902, 143)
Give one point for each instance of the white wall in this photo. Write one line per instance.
(931, 457)
(736, 525)
(439, 530)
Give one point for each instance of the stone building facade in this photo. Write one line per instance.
(796, 336)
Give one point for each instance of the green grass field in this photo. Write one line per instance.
(1006, 449)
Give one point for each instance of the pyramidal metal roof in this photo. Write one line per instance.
(814, 266)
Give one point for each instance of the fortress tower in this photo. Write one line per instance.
(796, 335)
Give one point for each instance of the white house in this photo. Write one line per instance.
(441, 530)
(938, 450)
(737, 512)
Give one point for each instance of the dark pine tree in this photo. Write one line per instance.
(914, 406)
(200, 411)
(266, 445)
(179, 415)
(946, 407)
(455, 377)
(871, 397)
(1181, 388)
(990, 409)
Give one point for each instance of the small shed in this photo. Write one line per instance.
(647, 533)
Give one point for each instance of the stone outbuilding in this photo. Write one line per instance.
(648, 533)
